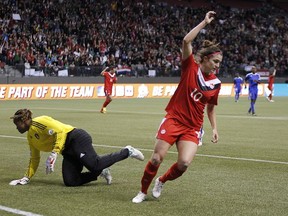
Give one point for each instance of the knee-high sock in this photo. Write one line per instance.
(252, 107)
(237, 96)
(107, 101)
(172, 173)
(270, 96)
(149, 173)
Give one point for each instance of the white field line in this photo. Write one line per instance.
(173, 152)
(17, 211)
(277, 118)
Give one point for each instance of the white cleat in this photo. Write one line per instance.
(106, 175)
(139, 198)
(157, 189)
(135, 153)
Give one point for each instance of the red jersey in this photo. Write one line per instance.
(109, 80)
(194, 91)
(271, 81)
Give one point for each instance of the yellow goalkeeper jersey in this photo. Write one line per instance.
(45, 134)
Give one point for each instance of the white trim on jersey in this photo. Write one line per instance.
(111, 75)
(210, 84)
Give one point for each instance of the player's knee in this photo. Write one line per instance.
(183, 165)
(71, 183)
(156, 159)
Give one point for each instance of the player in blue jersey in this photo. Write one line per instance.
(253, 79)
(238, 82)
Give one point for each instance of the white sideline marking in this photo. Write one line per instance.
(172, 152)
(210, 156)
(244, 116)
(17, 211)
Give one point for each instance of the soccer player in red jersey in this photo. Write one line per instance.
(271, 79)
(110, 78)
(198, 88)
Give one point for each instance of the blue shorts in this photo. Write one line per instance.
(237, 90)
(253, 94)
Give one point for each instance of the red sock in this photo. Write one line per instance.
(270, 96)
(107, 101)
(149, 173)
(172, 173)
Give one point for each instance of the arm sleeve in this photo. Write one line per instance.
(60, 141)
(214, 99)
(187, 63)
(33, 163)
(246, 78)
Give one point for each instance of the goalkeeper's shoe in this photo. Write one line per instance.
(106, 175)
(135, 153)
(103, 110)
(157, 189)
(22, 181)
(140, 197)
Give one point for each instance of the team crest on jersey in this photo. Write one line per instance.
(50, 132)
(37, 136)
(163, 131)
(209, 84)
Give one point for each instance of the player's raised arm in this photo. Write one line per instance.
(186, 44)
(274, 72)
(102, 72)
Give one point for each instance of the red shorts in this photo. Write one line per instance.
(107, 92)
(171, 131)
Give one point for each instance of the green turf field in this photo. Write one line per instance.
(244, 174)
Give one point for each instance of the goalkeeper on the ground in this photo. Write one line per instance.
(49, 135)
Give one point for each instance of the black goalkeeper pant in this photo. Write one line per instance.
(79, 153)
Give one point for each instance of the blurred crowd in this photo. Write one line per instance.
(57, 34)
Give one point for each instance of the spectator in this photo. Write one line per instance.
(147, 32)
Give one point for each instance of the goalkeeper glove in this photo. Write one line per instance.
(50, 162)
(22, 181)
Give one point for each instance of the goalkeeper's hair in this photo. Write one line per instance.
(22, 115)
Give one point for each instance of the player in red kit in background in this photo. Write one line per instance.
(110, 78)
(271, 79)
(198, 88)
